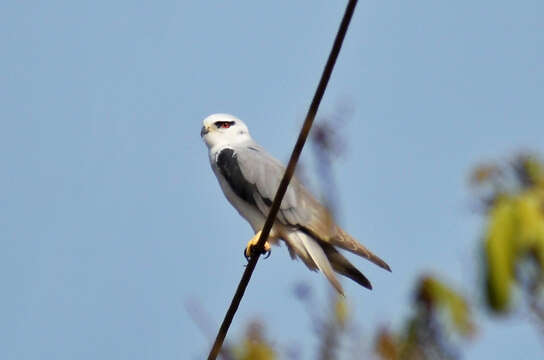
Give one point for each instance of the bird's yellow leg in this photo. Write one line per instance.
(253, 242)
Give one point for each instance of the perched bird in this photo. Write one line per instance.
(249, 178)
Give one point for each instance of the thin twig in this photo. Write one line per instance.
(312, 111)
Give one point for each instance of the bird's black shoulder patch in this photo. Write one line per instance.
(227, 161)
(267, 201)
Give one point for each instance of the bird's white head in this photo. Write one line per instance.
(223, 129)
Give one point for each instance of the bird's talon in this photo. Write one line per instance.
(246, 255)
(250, 249)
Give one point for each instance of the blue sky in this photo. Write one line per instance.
(112, 219)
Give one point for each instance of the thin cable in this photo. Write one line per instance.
(310, 116)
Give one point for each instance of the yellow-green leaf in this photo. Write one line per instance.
(440, 294)
(499, 254)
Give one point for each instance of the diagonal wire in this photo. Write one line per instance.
(259, 247)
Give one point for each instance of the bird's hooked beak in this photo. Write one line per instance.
(204, 130)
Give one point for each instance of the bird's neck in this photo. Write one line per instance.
(216, 148)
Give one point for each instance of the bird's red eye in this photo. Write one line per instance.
(224, 124)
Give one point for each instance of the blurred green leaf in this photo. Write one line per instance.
(252, 350)
(533, 169)
(499, 254)
(254, 346)
(530, 214)
(437, 294)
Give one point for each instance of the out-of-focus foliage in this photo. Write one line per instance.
(387, 345)
(330, 325)
(328, 146)
(254, 345)
(499, 254)
(341, 311)
(440, 312)
(513, 198)
(434, 295)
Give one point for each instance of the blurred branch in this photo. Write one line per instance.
(328, 144)
(329, 325)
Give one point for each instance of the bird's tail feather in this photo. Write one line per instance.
(345, 241)
(321, 259)
(342, 266)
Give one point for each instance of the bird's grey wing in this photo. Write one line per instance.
(298, 207)
(254, 175)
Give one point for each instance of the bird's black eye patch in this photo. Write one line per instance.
(223, 124)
